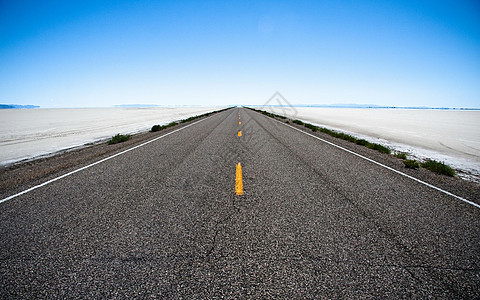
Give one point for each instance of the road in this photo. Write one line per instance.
(164, 220)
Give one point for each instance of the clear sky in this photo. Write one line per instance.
(101, 53)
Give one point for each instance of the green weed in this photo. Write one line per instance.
(119, 138)
(411, 164)
(438, 167)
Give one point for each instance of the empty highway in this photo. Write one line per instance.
(170, 220)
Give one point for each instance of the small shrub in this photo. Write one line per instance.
(162, 127)
(411, 164)
(345, 137)
(119, 138)
(298, 122)
(327, 131)
(438, 167)
(380, 148)
(189, 119)
(363, 142)
(401, 155)
(312, 127)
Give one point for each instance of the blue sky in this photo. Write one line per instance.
(103, 53)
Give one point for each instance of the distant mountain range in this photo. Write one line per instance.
(136, 105)
(17, 106)
(152, 105)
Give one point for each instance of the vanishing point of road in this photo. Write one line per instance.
(238, 205)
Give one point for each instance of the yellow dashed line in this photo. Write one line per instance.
(238, 180)
(238, 173)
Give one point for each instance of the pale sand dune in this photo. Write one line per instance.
(27, 133)
(452, 136)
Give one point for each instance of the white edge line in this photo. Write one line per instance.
(386, 167)
(96, 163)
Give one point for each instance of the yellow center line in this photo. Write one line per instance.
(240, 133)
(238, 180)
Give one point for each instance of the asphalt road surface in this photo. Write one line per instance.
(164, 221)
